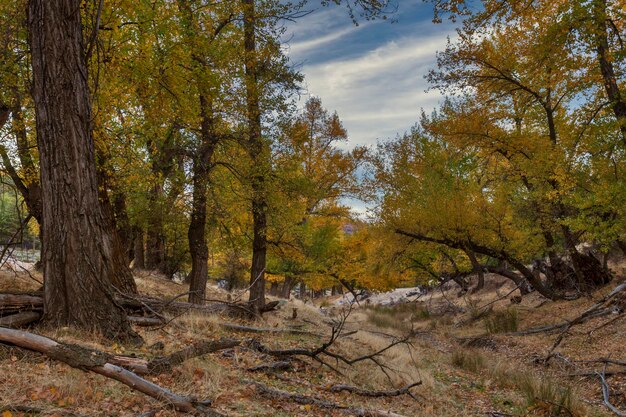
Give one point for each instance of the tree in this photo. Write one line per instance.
(77, 245)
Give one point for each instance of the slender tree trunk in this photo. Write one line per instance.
(197, 227)
(259, 153)
(274, 288)
(604, 56)
(77, 249)
(285, 290)
(155, 242)
(121, 275)
(477, 269)
(203, 155)
(139, 262)
(123, 226)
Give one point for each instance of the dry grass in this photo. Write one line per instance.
(457, 381)
(504, 321)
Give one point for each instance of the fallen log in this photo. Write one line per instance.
(100, 363)
(12, 303)
(19, 319)
(145, 321)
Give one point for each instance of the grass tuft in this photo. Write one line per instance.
(504, 321)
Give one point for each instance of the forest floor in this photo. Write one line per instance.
(468, 361)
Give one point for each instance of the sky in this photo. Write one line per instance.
(371, 74)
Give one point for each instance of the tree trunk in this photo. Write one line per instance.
(258, 153)
(477, 269)
(77, 249)
(197, 227)
(121, 275)
(138, 251)
(274, 288)
(285, 290)
(203, 155)
(122, 222)
(155, 241)
(603, 55)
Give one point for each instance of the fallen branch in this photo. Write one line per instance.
(166, 363)
(322, 353)
(594, 311)
(272, 367)
(351, 389)
(309, 400)
(34, 410)
(248, 329)
(145, 321)
(375, 394)
(99, 362)
(606, 394)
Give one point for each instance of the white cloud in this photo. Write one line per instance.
(299, 48)
(380, 92)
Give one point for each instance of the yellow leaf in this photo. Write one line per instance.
(7, 413)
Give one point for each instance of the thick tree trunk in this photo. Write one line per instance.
(258, 153)
(77, 249)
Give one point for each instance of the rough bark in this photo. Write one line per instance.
(77, 250)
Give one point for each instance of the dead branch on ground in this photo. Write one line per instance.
(101, 363)
(323, 353)
(606, 391)
(318, 402)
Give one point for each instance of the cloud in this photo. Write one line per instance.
(380, 92)
(301, 47)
